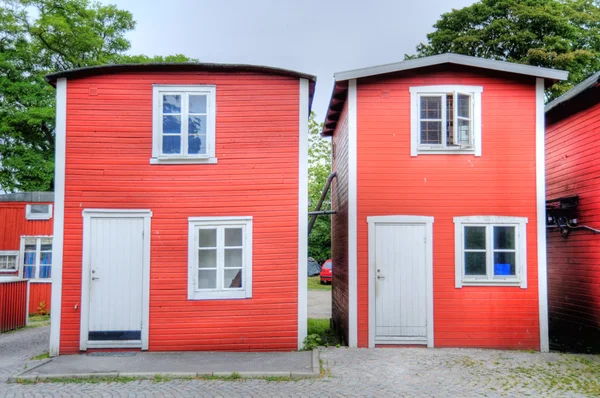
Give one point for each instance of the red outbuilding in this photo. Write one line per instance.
(177, 186)
(573, 193)
(439, 232)
(26, 244)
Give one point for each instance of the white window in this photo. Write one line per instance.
(9, 261)
(183, 124)
(490, 250)
(220, 258)
(445, 119)
(38, 212)
(36, 254)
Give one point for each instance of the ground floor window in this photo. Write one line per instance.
(9, 261)
(491, 250)
(36, 257)
(220, 258)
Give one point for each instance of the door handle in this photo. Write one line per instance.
(95, 278)
(380, 277)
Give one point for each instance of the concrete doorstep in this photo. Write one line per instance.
(174, 365)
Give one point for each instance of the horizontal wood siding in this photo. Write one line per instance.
(339, 226)
(501, 182)
(108, 147)
(39, 297)
(573, 168)
(13, 225)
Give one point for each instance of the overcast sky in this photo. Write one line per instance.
(319, 37)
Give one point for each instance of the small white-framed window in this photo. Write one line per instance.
(9, 261)
(445, 119)
(183, 128)
(219, 258)
(36, 255)
(490, 251)
(38, 211)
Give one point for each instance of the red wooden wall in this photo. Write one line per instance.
(500, 182)
(39, 292)
(13, 304)
(108, 147)
(573, 167)
(13, 225)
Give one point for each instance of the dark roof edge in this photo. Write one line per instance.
(585, 85)
(170, 66)
(33, 197)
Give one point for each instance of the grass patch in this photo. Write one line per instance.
(45, 355)
(314, 283)
(320, 334)
(39, 318)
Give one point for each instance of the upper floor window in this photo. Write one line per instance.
(491, 250)
(184, 124)
(37, 257)
(445, 119)
(38, 211)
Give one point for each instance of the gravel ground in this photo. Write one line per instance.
(391, 372)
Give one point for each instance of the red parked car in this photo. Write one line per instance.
(326, 272)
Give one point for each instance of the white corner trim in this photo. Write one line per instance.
(406, 220)
(302, 209)
(60, 131)
(540, 177)
(88, 214)
(352, 215)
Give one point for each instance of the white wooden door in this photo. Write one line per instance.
(116, 258)
(400, 283)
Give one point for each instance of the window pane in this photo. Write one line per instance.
(475, 238)
(29, 257)
(45, 271)
(207, 258)
(504, 264)
(463, 131)
(431, 132)
(46, 258)
(475, 263)
(171, 124)
(171, 144)
(197, 103)
(232, 279)
(207, 279)
(504, 237)
(28, 271)
(197, 145)
(233, 237)
(171, 103)
(39, 209)
(197, 125)
(207, 238)
(464, 106)
(233, 258)
(431, 107)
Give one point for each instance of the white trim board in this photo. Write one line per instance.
(352, 215)
(87, 215)
(302, 208)
(407, 220)
(60, 131)
(540, 178)
(457, 59)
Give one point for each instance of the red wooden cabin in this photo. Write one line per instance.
(178, 186)
(26, 244)
(573, 193)
(439, 231)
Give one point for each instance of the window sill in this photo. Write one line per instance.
(182, 160)
(37, 218)
(482, 282)
(219, 295)
(457, 151)
(40, 280)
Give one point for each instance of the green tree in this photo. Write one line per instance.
(319, 168)
(562, 34)
(38, 37)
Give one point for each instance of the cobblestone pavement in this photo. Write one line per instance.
(17, 347)
(408, 372)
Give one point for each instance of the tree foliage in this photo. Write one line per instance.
(562, 34)
(38, 37)
(319, 168)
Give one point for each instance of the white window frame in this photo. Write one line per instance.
(38, 244)
(158, 90)
(194, 223)
(10, 253)
(38, 216)
(415, 126)
(520, 224)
